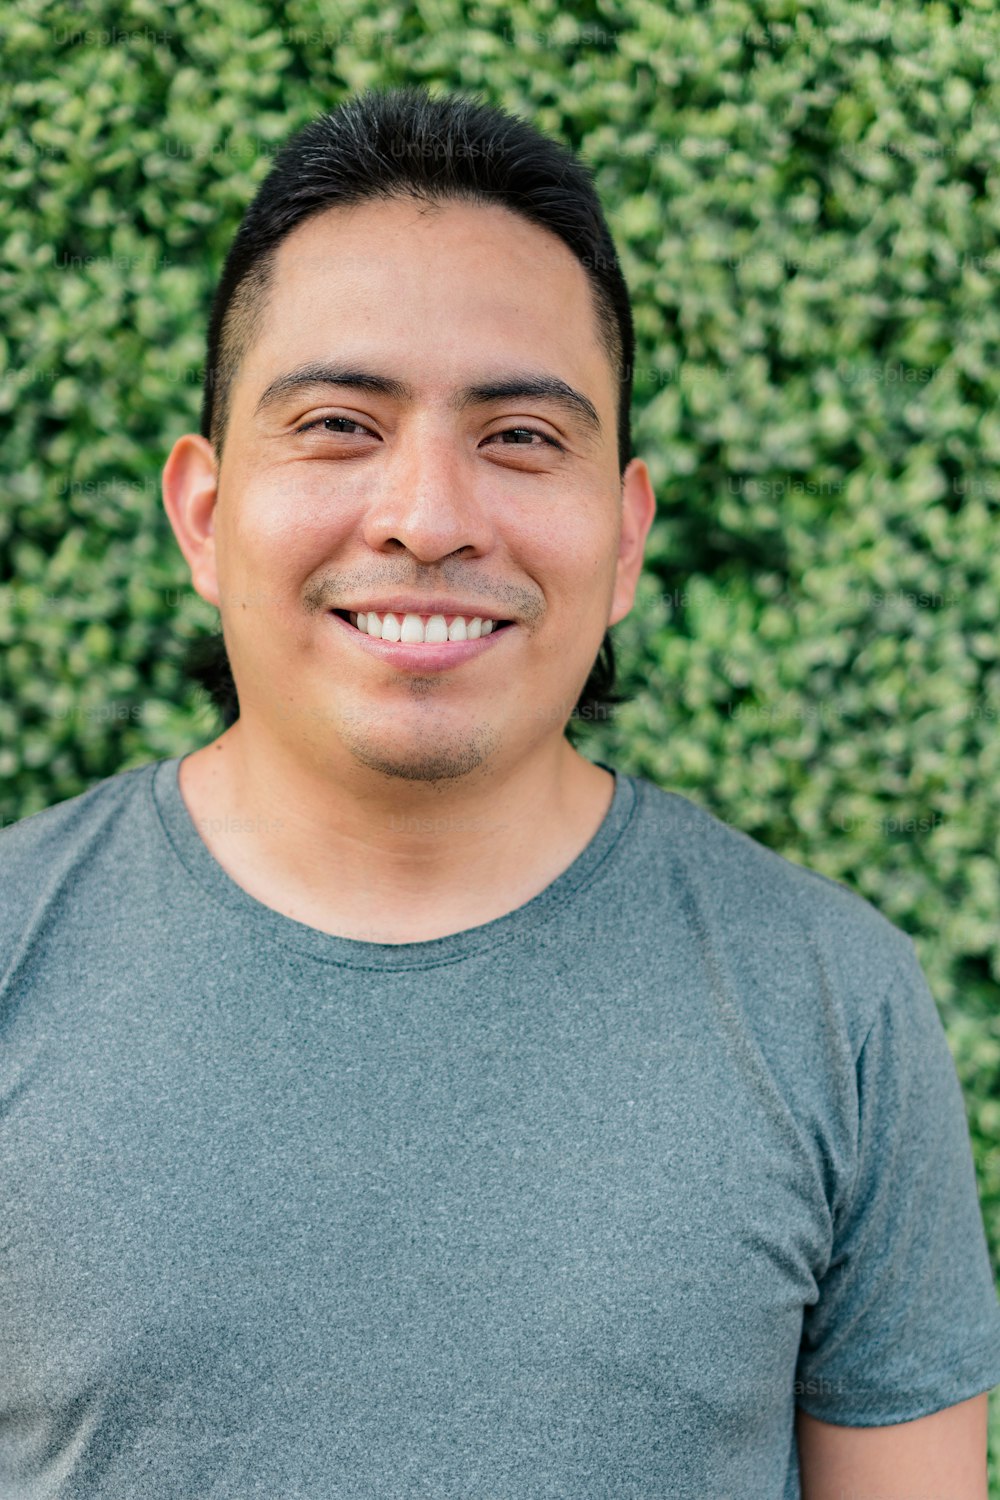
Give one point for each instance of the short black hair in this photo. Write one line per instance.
(398, 143)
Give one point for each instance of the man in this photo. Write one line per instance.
(395, 1103)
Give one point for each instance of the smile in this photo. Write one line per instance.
(422, 652)
(414, 629)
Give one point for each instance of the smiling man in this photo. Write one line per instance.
(417, 539)
(392, 1101)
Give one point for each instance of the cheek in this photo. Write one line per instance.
(576, 556)
(282, 527)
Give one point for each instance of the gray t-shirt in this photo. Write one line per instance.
(577, 1203)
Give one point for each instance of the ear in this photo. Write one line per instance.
(638, 513)
(190, 488)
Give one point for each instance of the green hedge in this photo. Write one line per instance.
(806, 198)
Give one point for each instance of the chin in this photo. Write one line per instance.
(424, 758)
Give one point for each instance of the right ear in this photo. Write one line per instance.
(190, 488)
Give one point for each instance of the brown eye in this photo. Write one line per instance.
(322, 421)
(529, 432)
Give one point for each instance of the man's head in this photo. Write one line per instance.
(396, 142)
(453, 267)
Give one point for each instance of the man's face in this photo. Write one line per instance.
(332, 496)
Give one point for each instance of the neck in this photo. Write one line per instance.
(386, 859)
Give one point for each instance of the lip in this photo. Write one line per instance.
(435, 657)
(411, 604)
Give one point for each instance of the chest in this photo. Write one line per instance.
(585, 1223)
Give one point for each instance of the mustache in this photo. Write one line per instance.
(329, 589)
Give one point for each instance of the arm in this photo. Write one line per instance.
(942, 1455)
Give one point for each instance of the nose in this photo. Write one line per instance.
(426, 499)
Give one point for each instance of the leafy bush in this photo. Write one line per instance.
(806, 198)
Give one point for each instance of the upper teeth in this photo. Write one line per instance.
(411, 628)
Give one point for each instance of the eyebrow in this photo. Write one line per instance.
(535, 387)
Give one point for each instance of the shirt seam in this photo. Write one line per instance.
(556, 903)
(895, 977)
(986, 1346)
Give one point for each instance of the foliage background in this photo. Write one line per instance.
(807, 202)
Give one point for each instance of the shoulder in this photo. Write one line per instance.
(751, 877)
(765, 910)
(39, 852)
(26, 835)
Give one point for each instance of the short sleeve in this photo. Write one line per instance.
(907, 1320)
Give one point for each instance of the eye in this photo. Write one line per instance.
(526, 431)
(322, 421)
(507, 432)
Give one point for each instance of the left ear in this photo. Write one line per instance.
(638, 514)
(190, 491)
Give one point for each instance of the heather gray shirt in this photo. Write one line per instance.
(577, 1203)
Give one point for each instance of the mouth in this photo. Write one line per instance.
(421, 658)
(350, 618)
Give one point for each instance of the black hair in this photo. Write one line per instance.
(401, 142)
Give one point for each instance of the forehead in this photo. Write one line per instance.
(435, 287)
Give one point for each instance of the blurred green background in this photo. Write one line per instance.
(807, 203)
